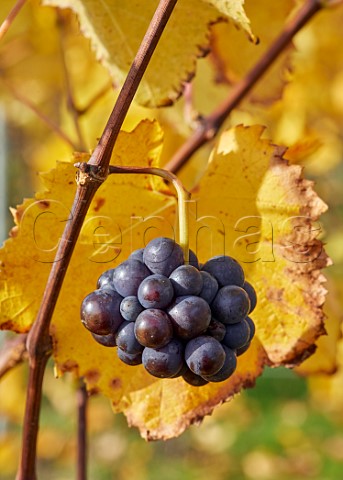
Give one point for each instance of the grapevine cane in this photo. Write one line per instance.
(39, 341)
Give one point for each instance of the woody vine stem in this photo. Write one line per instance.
(94, 173)
(39, 342)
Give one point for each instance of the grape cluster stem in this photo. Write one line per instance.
(182, 194)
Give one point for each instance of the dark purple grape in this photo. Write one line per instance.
(226, 270)
(153, 328)
(105, 340)
(137, 254)
(231, 304)
(193, 260)
(106, 279)
(181, 371)
(216, 329)
(252, 328)
(193, 379)
(227, 369)
(186, 280)
(237, 335)
(164, 362)
(130, 308)
(162, 255)
(243, 349)
(129, 358)
(155, 291)
(204, 355)
(128, 276)
(100, 311)
(126, 339)
(252, 295)
(190, 317)
(209, 287)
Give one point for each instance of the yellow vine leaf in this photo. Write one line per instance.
(250, 204)
(234, 56)
(324, 360)
(235, 11)
(116, 30)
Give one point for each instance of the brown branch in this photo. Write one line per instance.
(211, 124)
(89, 180)
(11, 17)
(44, 118)
(12, 353)
(82, 401)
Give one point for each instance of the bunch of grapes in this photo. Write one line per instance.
(176, 319)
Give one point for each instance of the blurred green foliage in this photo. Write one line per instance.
(273, 431)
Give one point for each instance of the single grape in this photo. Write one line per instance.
(137, 254)
(105, 340)
(186, 280)
(193, 379)
(209, 287)
(204, 355)
(227, 369)
(130, 308)
(100, 311)
(226, 270)
(164, 362)
(106, 279)
(216, 329)
(252, 328)
(126, 339)
(155, 291)
(237, 335)
(252, 295)
(231, 304)
(244, 348)
(153, 328)
(190, 317)
(162, 255)
(128, 276)
(129, 358)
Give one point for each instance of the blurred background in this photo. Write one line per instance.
(290, 425)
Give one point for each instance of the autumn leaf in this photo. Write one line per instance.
(325, 360)
(116, 30)
(233, 56)
(249, 203)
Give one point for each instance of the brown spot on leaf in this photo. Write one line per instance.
(92, 376)
(99, 202)
(12, 325)
(44, 204)
(93, 391)
(69, 366)
(115, 383)
(274, 294)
